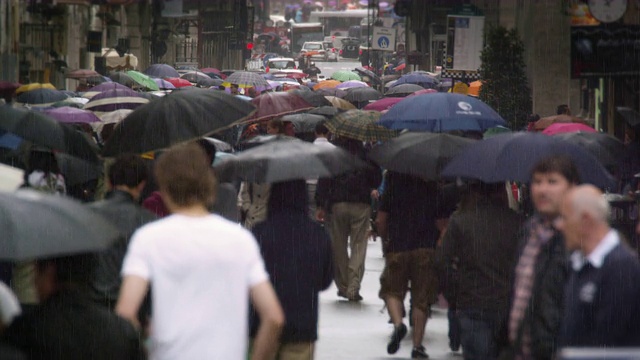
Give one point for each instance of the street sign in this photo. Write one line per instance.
(383, 39)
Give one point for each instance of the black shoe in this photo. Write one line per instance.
(454, 346)
(397, 335)
(419, 353)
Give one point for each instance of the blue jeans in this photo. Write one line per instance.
(479, 334)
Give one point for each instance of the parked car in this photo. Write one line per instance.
(331, 53)
(282, 65)
(315, 47)
(350, 47)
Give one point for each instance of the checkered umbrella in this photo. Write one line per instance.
(360, 125)
(245, 79)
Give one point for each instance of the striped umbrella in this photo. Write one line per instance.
(245, 79)
(115, 100)
(360, 125)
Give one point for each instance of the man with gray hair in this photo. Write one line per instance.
(602, 292)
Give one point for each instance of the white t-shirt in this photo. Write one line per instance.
(201, 270)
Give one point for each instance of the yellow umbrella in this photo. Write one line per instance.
(330, 84)
(33, 86)
(341, 104)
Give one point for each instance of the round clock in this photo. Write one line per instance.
(607, 11)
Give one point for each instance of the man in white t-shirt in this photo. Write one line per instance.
(202, 269)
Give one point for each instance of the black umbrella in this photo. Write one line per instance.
(631, 116)
(41, 96)
(123, 79)
(304, 123)
(219, 144)
(331, 92)
(420, 154)
(209, 82)
(512, 156)
(180, 116)
(287, 160)
(45, 131)
(327, 111)
(36, 225)
(403, 90)
(195, 76)
(312, 98)
(606, 148)
(77, 171)
(362, 94)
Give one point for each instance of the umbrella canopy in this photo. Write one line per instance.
(559, 128)
(495, 131)
(34, 86)
(164, 84)
(180, 116)
(631, 116)
(37, 225)
(420, 154)
(44, 131)
(278, 161)
(97, 80)
(81, 74)
(441, 112)
(123, 79)
(474, 88)
(364, 94)
(195, 76)
(423, 91)
(606, 148)
(245, 79)
(304, 123)
(161, 71)
(72, 115)
(143, 80)
(331, 92)
(7, 88)
(209, 82)
(340, 103)
(215, 71)
(111, 100)
(344, 75)
(383, 104)
(360, 125)
(364, 72)
(274, 104)
(423, 80)
(326, 111)
(77, 171)
(41, 96)
(108, 86)
(512, 156)
(219, 144)
(403, 90)
(326, 84)
(312, 98)
(351, 84)
(178, 82)
(545, 122)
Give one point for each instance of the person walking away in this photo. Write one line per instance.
(479, 250)
(126, 177)
(602, 309)
(67, 325)
(346, 204)
(322, 140)
(406, 221)
(297, 255)
(541, 270)
(200, 268)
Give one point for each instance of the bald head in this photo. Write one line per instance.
(587, 199)
(584, 218)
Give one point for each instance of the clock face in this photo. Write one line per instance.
(607, 11)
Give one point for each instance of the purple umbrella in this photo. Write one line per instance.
(352, 84)
(112, 100)
(67, 114)
(109, 86)
(164, 85)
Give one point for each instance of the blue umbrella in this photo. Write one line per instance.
(9, 140)
(41, 96)
(512, 156)
(441, 112)
(161, 71)
(426, 81)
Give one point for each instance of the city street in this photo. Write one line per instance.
(329, 68)
(360, 330)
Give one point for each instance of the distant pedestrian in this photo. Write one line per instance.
(563, 110)
(298, 258)
(479, 252)
(541, 270)
(602, 296)
(322, 140)
(202, 270)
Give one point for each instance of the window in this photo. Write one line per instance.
(282, 64)
(312, 46)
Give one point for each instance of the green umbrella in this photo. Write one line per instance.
(495, 131)
(143, 80)
(344, 75)
(360, 125)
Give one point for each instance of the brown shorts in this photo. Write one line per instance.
(417, 267)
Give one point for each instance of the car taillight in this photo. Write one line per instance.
(340, 51)
(360, 52)
(267, 69)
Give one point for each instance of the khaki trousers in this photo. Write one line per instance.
(296, 351)
(349, 221)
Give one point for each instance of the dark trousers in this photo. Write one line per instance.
(479, 335)
(454, 329)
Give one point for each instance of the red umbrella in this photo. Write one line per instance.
(424, 91)
(383, 104)
(7, 88)
(178, 82)
(561, 128)
(274, 104)
(400, 67)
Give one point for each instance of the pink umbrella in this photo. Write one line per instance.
(561, 128)
(425, 91)
(383, 104)
(275, 104)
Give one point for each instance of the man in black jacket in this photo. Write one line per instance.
(541, 270)
(126, 178)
